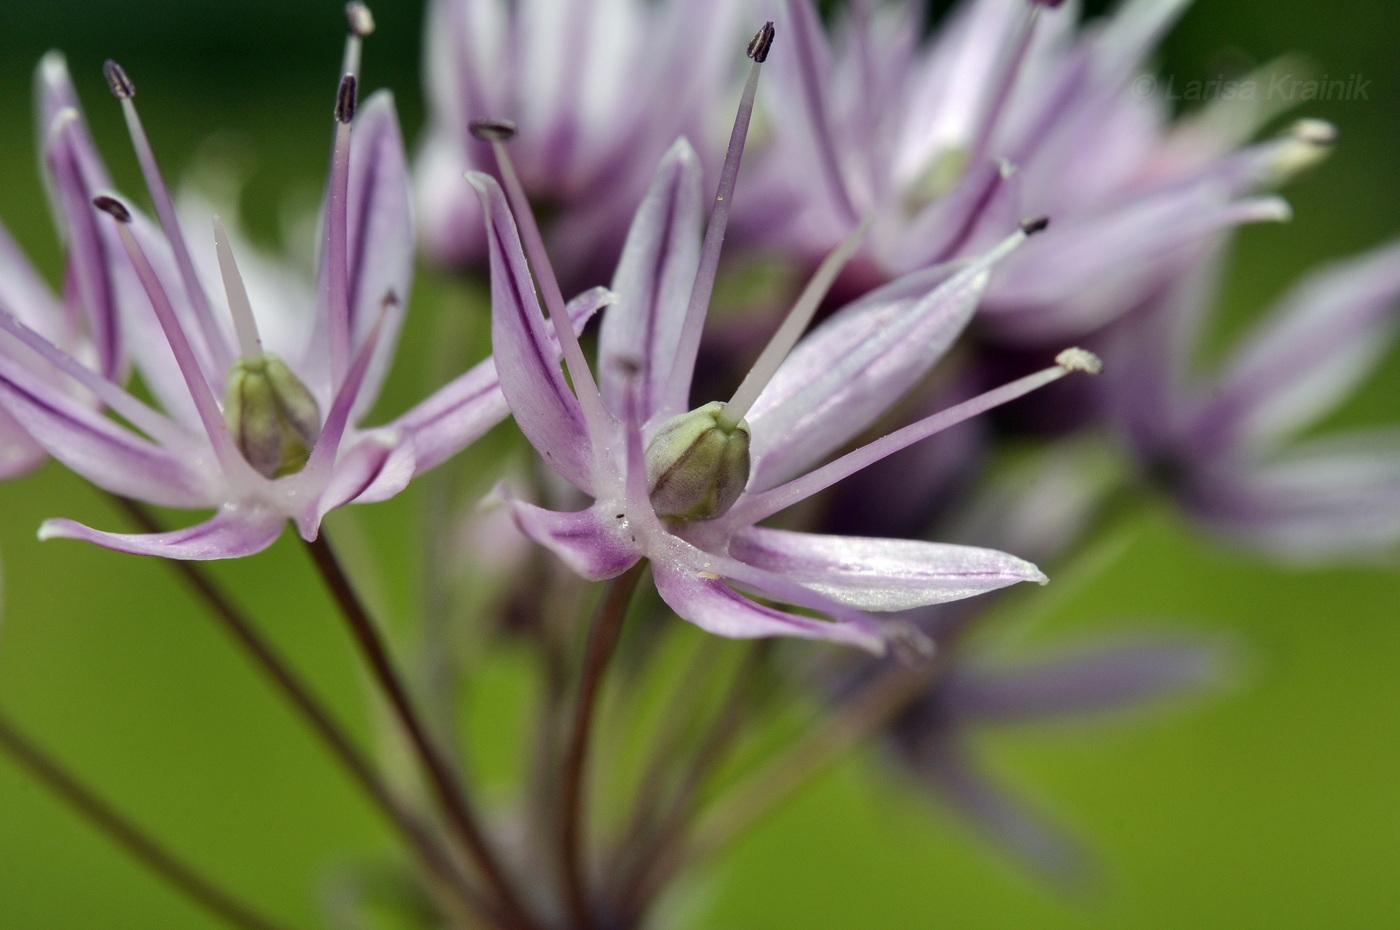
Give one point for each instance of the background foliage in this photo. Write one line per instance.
(1274, 804)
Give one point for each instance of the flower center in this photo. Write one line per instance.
(697, 464)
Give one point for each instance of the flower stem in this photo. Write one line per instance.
(641, 883)
(451, 794)
(124, 833)
(886, 696)
(602, 638)
(315, 714)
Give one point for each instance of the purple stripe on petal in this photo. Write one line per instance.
(533, 383)
(101, 451)
(230, 534)
(706, 600)
(640, 337)
(381, 235)
(594, 543)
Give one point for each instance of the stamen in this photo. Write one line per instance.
(1309, 142)
(765, 504)
(497, 131)
(359, 23)
(688, 347)
(791, 329)
(337, 231)
(208, 408)
(125, 90)
(239, 307)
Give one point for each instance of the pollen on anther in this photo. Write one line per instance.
(1076, 359)
(358, 18)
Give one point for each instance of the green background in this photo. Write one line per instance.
(1275, 804)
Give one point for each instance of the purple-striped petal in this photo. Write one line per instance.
(106, 454)
(881, 574)
(705, 599)
(640, 336)
(18, 453)
(854, 366)
(1309, 354)
(1097, 678)
(381, 236)
(595, 543)
(545, 409)
(230, 534)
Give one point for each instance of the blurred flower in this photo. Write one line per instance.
(284, 444)
(685, 490)
(582, 80)
(934, 740)
(1010, 111)
(1226, 446)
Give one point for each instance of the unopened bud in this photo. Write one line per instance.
(273, 418)
(696, 469)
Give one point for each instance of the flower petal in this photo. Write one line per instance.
(18, 453)
(706, 600)
(381, 232)
(545, 409)
(853, 367)
(945, 766)
(105, 453)
(1095, 678)
(1327, 498)
(640, 337)
(230, 534)
(881, 574)
(594, 543)
(1310, 353)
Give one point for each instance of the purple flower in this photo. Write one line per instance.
(686, 490)
(568, 72)
(1009, 111)
(935, 740)
(259, 420)
(1226, 445)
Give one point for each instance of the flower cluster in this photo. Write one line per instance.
(992, 193)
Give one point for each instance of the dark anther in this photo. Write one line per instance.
(1032, 226)
(117, 80)
(345, 100)
(493, 130)
(113, 207)
(761, 43)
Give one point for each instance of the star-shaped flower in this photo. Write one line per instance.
(686, 490)
(261, 432)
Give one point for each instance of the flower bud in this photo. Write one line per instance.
(696, 468)
(272, 416)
